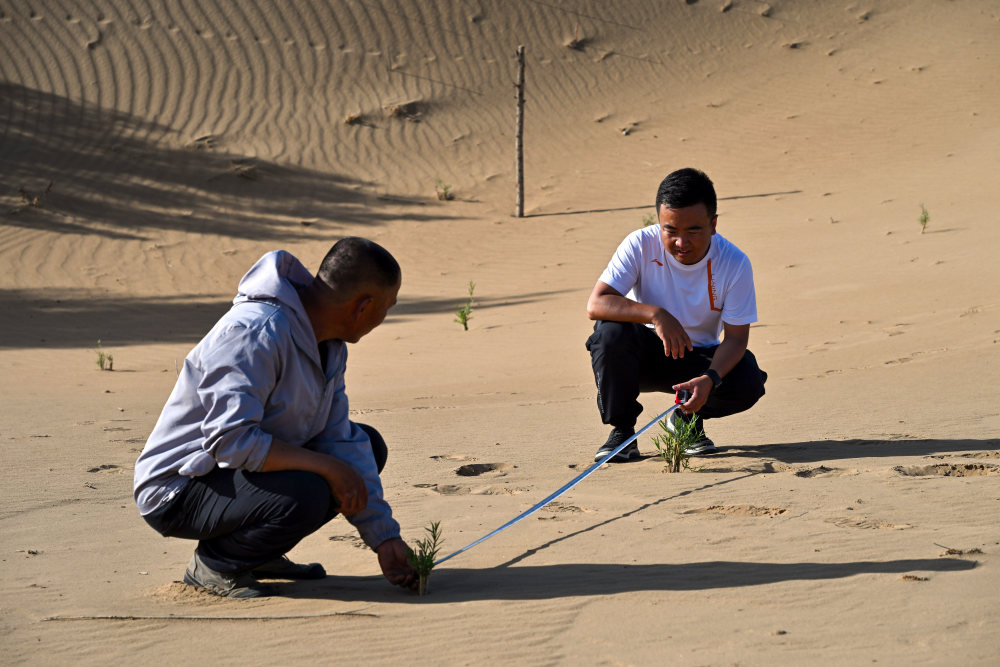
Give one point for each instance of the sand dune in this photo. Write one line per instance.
(150, 152)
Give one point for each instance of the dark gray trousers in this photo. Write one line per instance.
(628, 358)
(244, 519)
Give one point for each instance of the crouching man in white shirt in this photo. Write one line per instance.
(661, 304)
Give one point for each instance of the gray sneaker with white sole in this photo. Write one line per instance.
(237, 585)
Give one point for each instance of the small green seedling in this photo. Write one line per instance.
(648, 219)
(105, 360)
(464, 312)
(924, 218)
(673, 445)
(443, 190)
(423, 558)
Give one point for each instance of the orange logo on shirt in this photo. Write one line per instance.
(713, 293)
(658, 262)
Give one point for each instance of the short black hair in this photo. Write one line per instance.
(687, 187)
(353, 263)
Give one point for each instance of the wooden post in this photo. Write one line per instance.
(519, 135)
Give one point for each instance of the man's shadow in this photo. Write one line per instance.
(816, 451)
(511, 581)
(544, 582)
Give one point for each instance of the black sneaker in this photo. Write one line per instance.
(237, 585)
(617, 437)
(284, 568)
(704, 446)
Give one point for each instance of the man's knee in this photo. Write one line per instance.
(746, 381)
(609, 335)
(379, 449)
(306, 498)
(298, 501)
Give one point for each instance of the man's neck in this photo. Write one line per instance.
(321, 311)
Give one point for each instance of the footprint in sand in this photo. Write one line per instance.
(476, 469)
(459, 490)
(353, 540)
(820, 470)
(949, 470)
(105, 467)
(951, 551)
(446, 489)
(128, 441)
(739, 510)
(866, 523)
(563, 508)
(967, 455)
(499, 491)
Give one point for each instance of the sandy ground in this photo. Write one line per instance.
(152, 151)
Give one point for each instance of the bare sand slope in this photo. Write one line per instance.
(151, 152)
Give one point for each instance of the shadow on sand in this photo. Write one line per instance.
(70, 318)
(543, 582)
(107, 173)
(815, 451)
(510, 581)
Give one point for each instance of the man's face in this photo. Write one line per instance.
(687, 232)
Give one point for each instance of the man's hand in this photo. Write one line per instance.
(700, 387)
(675, 339)
(394, 559)
(727, 355)
(346, 486)
(345, 483)
(607, 303)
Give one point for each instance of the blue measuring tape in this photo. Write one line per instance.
(576, 480)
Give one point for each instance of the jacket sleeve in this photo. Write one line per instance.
(346, 441)
(238, 371)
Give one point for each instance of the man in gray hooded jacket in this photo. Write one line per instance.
(254, 449)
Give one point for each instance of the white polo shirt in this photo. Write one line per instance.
(701, 296)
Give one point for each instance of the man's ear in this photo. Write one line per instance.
(361, 303)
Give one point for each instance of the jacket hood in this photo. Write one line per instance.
(274, 278)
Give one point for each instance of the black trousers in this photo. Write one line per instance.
(244, 519)
(628, 358)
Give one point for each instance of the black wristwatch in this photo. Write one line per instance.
(714, 377)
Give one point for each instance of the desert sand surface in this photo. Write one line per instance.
(151, 152)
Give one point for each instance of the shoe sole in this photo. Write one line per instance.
(618, 458)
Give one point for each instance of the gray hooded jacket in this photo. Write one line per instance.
(257, 375)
